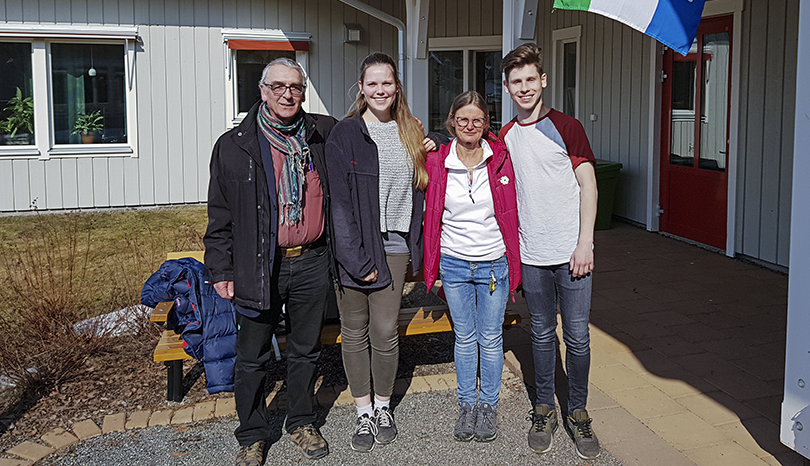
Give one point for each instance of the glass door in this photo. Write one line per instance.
(694, 183)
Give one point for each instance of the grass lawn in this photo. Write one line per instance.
(97, 259)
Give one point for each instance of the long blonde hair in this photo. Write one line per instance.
(410, 133)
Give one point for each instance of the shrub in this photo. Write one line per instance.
(44, 277)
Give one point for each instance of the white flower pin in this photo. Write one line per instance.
(504, 180)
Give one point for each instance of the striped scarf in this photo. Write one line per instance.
(290, 141)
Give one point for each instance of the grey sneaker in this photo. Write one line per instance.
(252, 455)
(386, 427)
(465, 426)
(544, 424)
(310, 441)
(579, 427)
(486, 423)
(364, 432)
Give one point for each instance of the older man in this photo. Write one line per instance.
(268, 245)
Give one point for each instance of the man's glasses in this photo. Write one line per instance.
(279, 89)
(477, 122)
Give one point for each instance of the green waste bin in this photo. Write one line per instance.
(607, 182)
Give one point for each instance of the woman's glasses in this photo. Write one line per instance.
(477, 122)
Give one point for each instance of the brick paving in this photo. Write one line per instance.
(687, 347)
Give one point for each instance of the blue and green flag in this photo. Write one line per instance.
(674, 23)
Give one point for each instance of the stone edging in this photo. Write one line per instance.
(27, 453)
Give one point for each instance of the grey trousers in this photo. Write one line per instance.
(370, 319)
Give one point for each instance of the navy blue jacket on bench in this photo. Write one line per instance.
(205, 321)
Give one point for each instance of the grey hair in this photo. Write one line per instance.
(289, 63)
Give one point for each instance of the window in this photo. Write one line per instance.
(87, 81)
(67, 91)
(565, 70)
(250, 51)
(16, 94)
(459, 64)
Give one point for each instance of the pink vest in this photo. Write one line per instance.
(502, 184)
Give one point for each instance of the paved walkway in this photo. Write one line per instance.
(688, 354)
(687, 369)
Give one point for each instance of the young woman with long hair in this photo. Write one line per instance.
(376, 161)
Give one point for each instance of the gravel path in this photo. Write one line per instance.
(425, 423)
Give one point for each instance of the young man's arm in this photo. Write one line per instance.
(582, 259)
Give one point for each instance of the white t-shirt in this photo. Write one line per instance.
(470, 230)
(544, 155)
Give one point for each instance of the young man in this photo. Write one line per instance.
(556, 193)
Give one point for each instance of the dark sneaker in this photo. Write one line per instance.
(252, 455)
(364, 432)
(544, 424)
(579, 427)
(465, 426)
(310, 441)
(486, 423)
(386, 427)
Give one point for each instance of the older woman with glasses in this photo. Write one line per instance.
(471, 243)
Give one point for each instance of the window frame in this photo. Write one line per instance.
(41, 37)
(561, 37)
(297, 41)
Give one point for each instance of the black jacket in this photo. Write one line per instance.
(354, 192)
(240, 242)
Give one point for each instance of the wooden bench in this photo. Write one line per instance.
(412, 321)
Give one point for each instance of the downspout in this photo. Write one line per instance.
(385, 17)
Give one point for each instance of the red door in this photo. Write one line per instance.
(694, 136)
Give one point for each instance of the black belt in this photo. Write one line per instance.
(296, 251)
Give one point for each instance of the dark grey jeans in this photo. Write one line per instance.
(370, 318)
(302, 283)
(545, 288)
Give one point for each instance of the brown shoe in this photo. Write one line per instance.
(310, 441)
(252, 455)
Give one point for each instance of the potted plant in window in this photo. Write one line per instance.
(20, 120)
(87, 125)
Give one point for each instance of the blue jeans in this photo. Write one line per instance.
(477, 314)
(545, 288)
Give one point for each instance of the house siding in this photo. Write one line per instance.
(181, 92)
(767, 117)
(460, 18)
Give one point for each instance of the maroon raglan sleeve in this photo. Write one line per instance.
(574, 137)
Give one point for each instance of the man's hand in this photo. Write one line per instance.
(372, 277)
(581, 260)
(224, 289)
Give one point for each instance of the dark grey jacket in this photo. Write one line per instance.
(354, 192)
(240, 242)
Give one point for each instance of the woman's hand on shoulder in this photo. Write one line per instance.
(430, 144)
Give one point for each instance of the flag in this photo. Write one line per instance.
(674, 23)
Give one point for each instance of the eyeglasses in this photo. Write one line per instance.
(477, 122)
(279, 89)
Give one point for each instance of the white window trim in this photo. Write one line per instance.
(232, 116)
(559, 38)
(40, 37)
